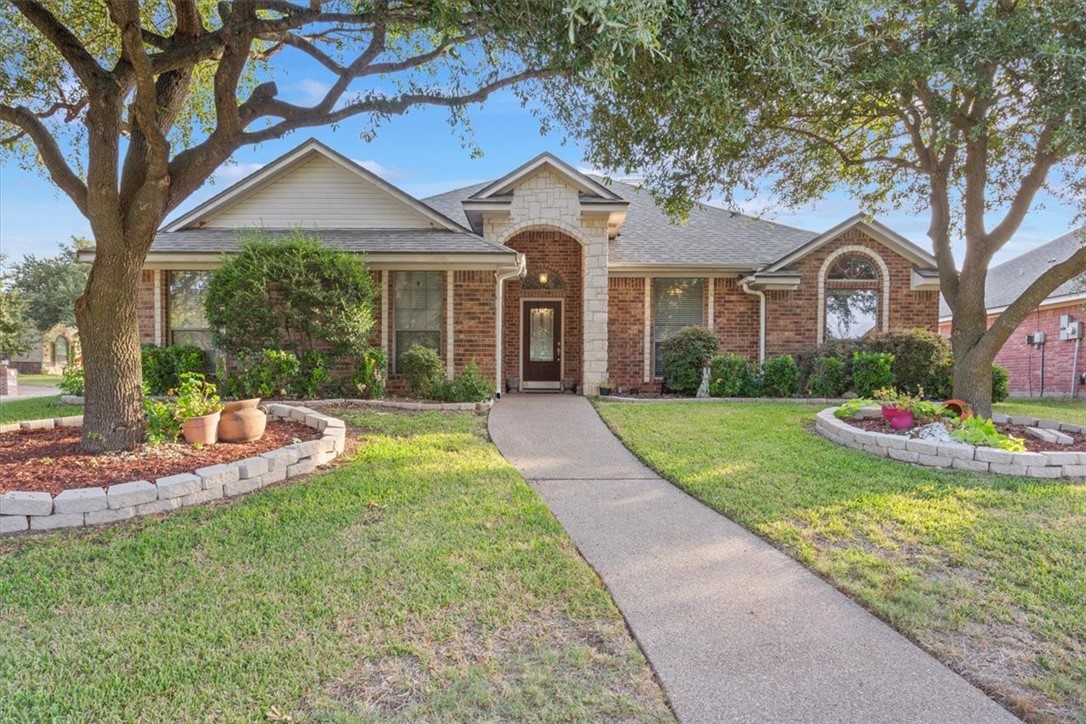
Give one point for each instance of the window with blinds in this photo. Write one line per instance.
(416, 298)
(676, 303)
(186, 319)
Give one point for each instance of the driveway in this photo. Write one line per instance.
(735, 629)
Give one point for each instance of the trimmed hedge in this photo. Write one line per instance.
(871, 371)
(685, 355)
(731, 375)
(163, 366)
(780, 377)
(829, 377)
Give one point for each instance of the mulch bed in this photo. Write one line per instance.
(50, 460)
(1032, 443)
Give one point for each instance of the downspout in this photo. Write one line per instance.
(520, 270)
(745, 286)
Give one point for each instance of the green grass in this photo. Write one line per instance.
(422, 579)
(39, 379)
(36, 408)
(1069, 411)
(986, 572)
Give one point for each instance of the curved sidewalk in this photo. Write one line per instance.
(736, 630)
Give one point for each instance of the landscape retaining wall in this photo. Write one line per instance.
(959, 456)
(21, 511)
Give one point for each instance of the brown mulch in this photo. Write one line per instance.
(50, 460)
(1032, 443)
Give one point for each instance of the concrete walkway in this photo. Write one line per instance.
(736, 630)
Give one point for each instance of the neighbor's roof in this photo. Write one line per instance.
(711, 237)
(1007, 281)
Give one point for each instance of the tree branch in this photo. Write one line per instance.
(64, 40)
(1043, 161)
(50, 152)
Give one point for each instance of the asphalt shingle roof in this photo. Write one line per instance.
(1008, 280)
(389, 241)
(711, 236)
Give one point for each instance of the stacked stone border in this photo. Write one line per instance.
(959, 456)
(38, 511)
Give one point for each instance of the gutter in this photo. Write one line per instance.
(745, 286)
(520, 271)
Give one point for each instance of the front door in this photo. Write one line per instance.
(542, 346)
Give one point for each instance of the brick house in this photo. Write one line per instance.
(1037, 367)
(548, 278)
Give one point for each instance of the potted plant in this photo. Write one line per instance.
(198, 409)
(897, 409)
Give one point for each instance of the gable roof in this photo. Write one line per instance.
(582, 182)
(290, 160)
(878, 231)
(712, 236)
(1008, 280)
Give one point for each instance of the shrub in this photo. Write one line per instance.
(841, 349)
(268, 373)
(731, 375)
(422, 367)
(163, 366)
(160, 418)
(369, 374)
(941, 381)
(312, 374)
(685, 355)
(871, 371)
(828, 377)
(293, 294)
(1000, 383)
(469, 386)
(917, 355)
(71, 380)
(780, 377)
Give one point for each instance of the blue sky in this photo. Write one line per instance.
(423, 155)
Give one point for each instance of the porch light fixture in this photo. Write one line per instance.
(543, 278)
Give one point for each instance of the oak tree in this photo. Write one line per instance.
(964, 109)
(130, 106)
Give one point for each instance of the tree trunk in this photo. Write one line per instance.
(973, 382)
(109, 335)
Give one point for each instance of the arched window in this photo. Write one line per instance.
(853, 290)
(60, 351)
(852, 267)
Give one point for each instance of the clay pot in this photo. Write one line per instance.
(960, 407)
(202, 430)
(242, 421)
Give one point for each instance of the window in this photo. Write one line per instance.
(852, 268)
(851, 313)
(416, 311)
(60, 351)
(187, 291)
(852, 297)
(676, 303)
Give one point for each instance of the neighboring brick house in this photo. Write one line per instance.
(548, 278)
(1046, 367)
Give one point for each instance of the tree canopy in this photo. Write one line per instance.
(50, 285)
(965, 109)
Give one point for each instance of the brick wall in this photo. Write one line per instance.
(1024, 362)
(145, 310)
(474, 324)
(626, 330)
(559, 254)
(735, 319)
(793, 316)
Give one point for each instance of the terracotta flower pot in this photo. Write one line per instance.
(244, 425)
(236, 405)
(960, 407)
(903, 420)
(201, 430)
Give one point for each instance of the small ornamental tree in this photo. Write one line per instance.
(291, 293)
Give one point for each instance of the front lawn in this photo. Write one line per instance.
(423, 580)
(36, 408)
(1069, 411)
(986, 572)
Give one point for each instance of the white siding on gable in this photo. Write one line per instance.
(320, 193)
